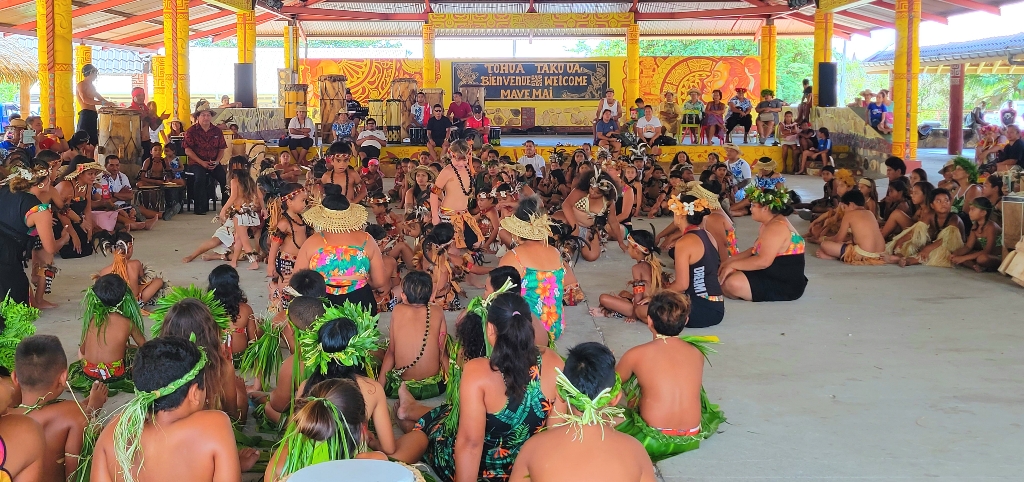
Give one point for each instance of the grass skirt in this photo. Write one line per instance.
(82, 383)
(950, 241)
(429, 387)
(917, 237)
(661, 446)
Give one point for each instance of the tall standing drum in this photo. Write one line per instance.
(393, 113)
(434, 96)
(473, 94)
(332, 97)
(376, 113)
(121, 133)
(294, 97)
(405, 90)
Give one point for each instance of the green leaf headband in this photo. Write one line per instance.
(17, 326)
(368, 339)
(128, 431)
(595, 411)
(479, 306)
(304, 451)
(769, 198)
(178, 293)
(96, 311)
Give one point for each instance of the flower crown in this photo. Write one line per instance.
(688, 209)
(769, 198)
(26, 174)
(596, 411)
(368, 339)
(178, 293)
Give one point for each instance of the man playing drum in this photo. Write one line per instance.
(88, 98)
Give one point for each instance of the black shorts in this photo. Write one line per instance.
(372, 152)
(88, 121)
(738, 120)
(300, 143)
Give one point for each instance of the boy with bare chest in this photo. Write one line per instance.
(41, 373)
(417, 340)
(449, 198)
(111, 320)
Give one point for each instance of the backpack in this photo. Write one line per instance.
(969, 119)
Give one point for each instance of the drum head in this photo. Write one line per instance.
(353, 471)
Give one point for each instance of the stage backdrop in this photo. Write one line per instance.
(542, 93)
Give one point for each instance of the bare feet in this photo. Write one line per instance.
(187, 259)
(597, 313)
(97, 397)
(247, 458)
(978, 268)
(902, 262)
(42, 304)
(150, 223)
(821, 254)
(255, 265)
(214, 257)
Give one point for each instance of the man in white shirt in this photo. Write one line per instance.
(300, 129)
(420, 111)
(648, 128)
(370, 141)
(113, 191)
(531, 158)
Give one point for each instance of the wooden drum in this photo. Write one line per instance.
(332, 97)
(294, 97)
(376, 112)
(405, 90)
(473, 94)
(393, 114)
(434, 96)
(120, 132)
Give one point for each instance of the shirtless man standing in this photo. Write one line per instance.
(449, 198)
(89, 99)
(867, 246)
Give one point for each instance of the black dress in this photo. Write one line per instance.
(78, 205)
(707, 303)
(15, 243)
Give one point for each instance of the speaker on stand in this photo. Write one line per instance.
(827, 84)
(245, 84)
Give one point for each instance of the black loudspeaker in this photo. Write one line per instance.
(245, 84)
(827, 84)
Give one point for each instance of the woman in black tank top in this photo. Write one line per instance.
(696, 260)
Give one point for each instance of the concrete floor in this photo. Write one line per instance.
(877, 373)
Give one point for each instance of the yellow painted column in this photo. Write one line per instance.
(184, 105)
(429, 69)
(159, 95)
(291, 48)
(56, 91)
(245, 32)
(632, 64)
(822, 44)
(83, 55)
(901, 68)
(914, 59)
(25, 95)
(769, 55)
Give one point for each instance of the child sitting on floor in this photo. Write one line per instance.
(668, 410)
(419, 368)
(386, 295)
(41, 373)
(577, 446)
(982, 251)
(111, 320)
(487, 219)
(165, 420)
(224, 283)
(648, 278)
(145, 283)
(334, 417)
(433, 258)
(302, 312)
(394, 245)
(859, 241)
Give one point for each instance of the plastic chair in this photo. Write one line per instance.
(690, 121)
(705, 135)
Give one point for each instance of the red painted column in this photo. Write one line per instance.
(956, 109)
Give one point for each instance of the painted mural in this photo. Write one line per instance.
(857, 146)
(371, 79)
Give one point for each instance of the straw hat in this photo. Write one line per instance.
(18, 124)
(410, 177)
(338, 222)
(697, 190)
(733, 147)
(693, 91)
(201, 106)
(89, 166)
(301, 108)
(765, 164)
(864, 182)
(537, 229)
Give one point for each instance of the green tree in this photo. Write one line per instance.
(9, 92)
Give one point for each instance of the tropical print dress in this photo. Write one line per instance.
(504, 434)
(542, 291)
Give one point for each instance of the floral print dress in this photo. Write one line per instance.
(542, 291)
(504, 433)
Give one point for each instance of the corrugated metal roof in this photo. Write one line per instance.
(374, 7)
(515, 33)
(668, 7)
(109, 61)
(582, 7)
(480, 7)
(359, 29)
(720, 27)
(996, 48)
